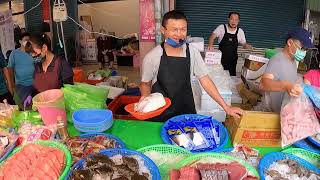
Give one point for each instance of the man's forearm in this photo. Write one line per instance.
(145, 89)
(273, 86)
(213, 92)
(9, 76)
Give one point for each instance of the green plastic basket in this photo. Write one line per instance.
(220, 158)
(56, 145)
(166, 149)
(309, 156)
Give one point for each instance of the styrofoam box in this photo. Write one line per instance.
(213, 57)
(217, 115)
(206, 103)
(197, 42)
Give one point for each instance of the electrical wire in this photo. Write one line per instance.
(24, 12)
(104, 34)
(99, 10)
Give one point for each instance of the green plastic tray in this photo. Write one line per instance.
(56, 145)
(164, 149)
(218, 156)
(311, 157)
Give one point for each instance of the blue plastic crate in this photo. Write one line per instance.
(307, 145)
(314, 141)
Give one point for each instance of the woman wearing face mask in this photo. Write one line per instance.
(51, 71)
(281, 74)
(20, 70)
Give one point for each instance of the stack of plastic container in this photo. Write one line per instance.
(205, 105)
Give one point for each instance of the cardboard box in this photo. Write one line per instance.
(254, 66)
(213, 57)
(256, 129)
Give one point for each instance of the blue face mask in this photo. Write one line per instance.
(174, 44)
(38, 59)
(299, 55)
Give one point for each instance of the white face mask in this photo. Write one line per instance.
(24, 43)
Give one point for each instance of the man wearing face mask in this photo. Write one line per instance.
(281, 73)
(20, 70)
(229, 36)
(168, 68)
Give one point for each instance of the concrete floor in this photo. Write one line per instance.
(132, 73)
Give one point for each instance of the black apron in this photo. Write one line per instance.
(229, 48)
(173, 81)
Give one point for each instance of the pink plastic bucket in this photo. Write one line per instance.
(50, 105)
(49, 115)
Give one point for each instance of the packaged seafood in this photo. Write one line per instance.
(195, 135)
(34, 161)
(99, 166)
(246, 153)
(29, 133)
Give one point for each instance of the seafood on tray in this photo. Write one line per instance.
(150, 103)
(99, 166)
(289, 169)
(34, 161)
(82, 147)
(216, 171)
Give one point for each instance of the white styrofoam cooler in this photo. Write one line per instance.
(217, 115)
(206, 103)
(197, 42)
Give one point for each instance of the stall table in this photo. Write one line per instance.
(139, 134)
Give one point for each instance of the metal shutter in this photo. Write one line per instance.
(264, 22)
(33, 18)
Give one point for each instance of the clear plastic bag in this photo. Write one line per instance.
(6, 113)
(298, 119)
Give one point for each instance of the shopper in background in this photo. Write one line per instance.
(167, 69)
(229, 36)
(281, 74)
(4, 93)
(21, 70)
(51, 71)
(312, 77)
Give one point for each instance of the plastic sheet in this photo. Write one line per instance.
(313, 93)
(6, 113)
(83, 96)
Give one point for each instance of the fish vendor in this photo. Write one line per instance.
(281, 74)
(168, 69)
